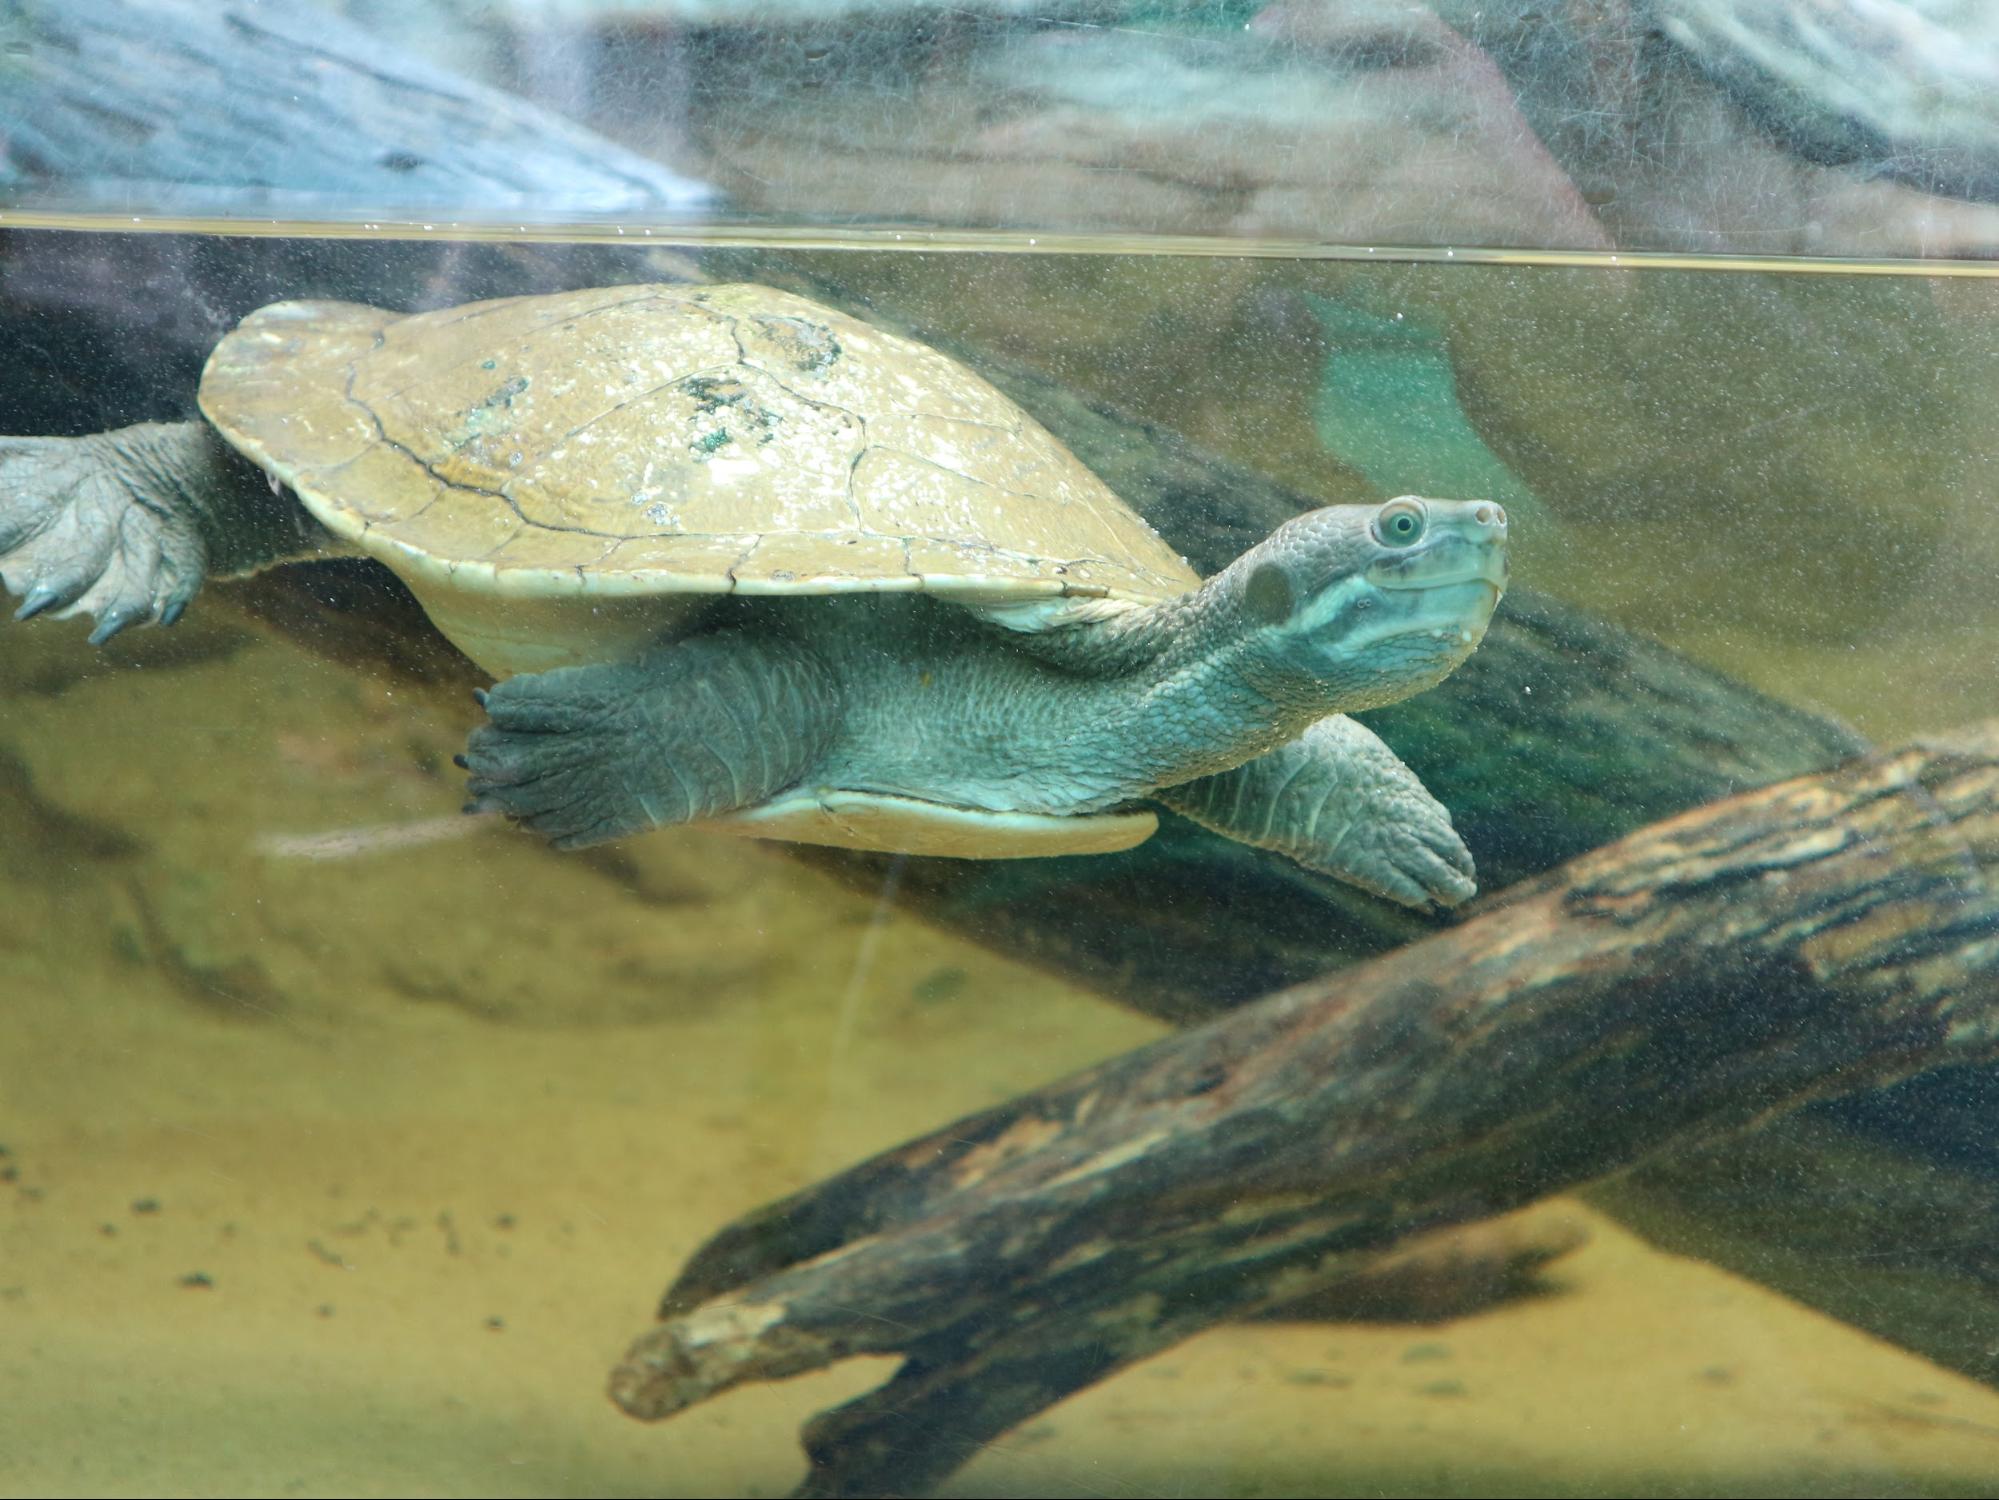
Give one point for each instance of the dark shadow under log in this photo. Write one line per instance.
(1897, 1237)
(1829, 934)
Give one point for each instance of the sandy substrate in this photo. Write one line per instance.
(354, 1175)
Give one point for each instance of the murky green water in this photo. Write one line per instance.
(345, 1148)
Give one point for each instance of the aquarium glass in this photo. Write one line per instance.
(348, 1142)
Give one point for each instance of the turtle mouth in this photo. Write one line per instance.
(1452, 604)
(1416, 617)
(1381, 644)
(1452, 563)
(1453, 609)
(1493, 581)
(1435, 599)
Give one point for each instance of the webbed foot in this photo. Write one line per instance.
(87, 528)
(1406, 850)
(554, 758)
(1337, 800)
(584, 755)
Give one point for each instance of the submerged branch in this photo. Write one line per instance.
(1828, 934)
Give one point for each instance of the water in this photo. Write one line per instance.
(346, 1154)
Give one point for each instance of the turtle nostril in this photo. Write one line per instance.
(1489, 515)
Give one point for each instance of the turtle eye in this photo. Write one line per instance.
(1399, 523)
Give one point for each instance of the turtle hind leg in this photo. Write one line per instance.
(1337, 800)
(125, 525)
(584, 755)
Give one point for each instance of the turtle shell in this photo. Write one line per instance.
(668, 440)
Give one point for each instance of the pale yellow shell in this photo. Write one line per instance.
(646, 440)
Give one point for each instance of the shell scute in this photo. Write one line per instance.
(670, 440)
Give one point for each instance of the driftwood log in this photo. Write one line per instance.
(1831, 933)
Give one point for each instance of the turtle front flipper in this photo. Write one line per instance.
(1337, 800)
(584, 755)
(125, 525)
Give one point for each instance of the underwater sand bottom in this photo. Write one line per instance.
(355, 1175)
(412, 1303)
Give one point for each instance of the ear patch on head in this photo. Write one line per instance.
(1268, 598)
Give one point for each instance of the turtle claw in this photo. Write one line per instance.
(558, 802)
(39, 598)
(113, 620)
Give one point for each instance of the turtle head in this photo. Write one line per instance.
(1364, 605)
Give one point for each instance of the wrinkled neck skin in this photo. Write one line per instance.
(939, 706)
(1185, 688)
(1321, 618)
(1316, 620)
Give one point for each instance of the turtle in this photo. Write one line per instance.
(739, 560)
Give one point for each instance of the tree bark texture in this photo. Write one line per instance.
(1828, 934)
